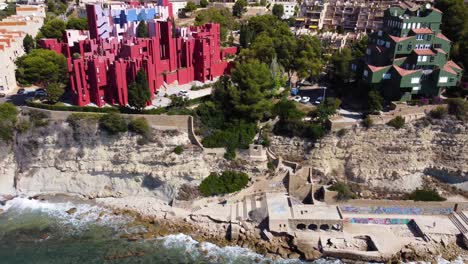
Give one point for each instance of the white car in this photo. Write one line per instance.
(319, 100)
(305, 99)
(297, 98)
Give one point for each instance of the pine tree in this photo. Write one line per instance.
(138, 91)
(142, 30)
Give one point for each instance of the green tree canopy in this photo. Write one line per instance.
(113, 123)
(278, 10)
(341, 62)
(53, 29)
(358, 49)
(142, 30)
(227, 182)
(251, 93)
(77, 23)
(54, 92)
(204, 3)
(190, 7)
(222, 16)
(239, 8)
(308, 61)
(374, 101)
(28, 43)
(41, 66)
(138, 91)
(8, 113)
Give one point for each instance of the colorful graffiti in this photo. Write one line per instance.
(396, 210)
(378, 221)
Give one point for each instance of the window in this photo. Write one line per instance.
(353, 67)
(417, 88)
(414, 25)
(404, 25)
(419, 25)
(419, 58)
(427, 46)
(415, 80)
(368, 51)
(420, 37)
(387, 44)
(451, 79)
(429, 37)
(97, 69)
(443, 79)
(424, 58)
(409, 47)
(386, 76)
(366, 73)
(431, 59)
(399, 47)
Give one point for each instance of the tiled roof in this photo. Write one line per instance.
(441, 51)
(398, 39)
(376, 68)
(449, 69)
(453, 65)
(422, 30)
(403, 72)
(424, 52)
(442, 36)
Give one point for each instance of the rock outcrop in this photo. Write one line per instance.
(385, 157)
(59, 158)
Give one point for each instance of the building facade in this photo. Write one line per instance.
(347, 15)
(289, 7)
(410, 55)
(13, 29)
(102, 65)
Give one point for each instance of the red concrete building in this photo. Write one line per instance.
(101, 69)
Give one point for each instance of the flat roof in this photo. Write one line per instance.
(316, 212)
(278, 206)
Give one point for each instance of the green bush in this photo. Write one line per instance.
(438, 113)
(23, 125)
(227, 182)
(113, 123)
(8, 114)
(178, 150)
(233, 137)
(38, 118)
(397, 122)
(344, 193)
(458, 107)
(140, 126)
(425, 195)
(72, 108)
(367, 122)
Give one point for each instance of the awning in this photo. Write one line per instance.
(300, 19)
(313, 27)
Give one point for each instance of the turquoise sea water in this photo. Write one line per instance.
(39, 232)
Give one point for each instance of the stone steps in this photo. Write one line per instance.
(463, 217)
(458, 222)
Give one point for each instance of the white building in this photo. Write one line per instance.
(28, 20)
(288, 6)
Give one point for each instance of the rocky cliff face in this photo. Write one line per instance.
(86, 161)
(396, 159)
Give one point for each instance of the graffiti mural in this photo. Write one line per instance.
(396, 210)
(378, 221)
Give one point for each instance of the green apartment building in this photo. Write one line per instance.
(410, 56)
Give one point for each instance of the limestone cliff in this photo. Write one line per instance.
(89, 162)
(383, 156)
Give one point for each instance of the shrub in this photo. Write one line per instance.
(178, 150)
(140, 126)
(458, 107)
(367, 122)
(271, 166)
(38, 118)
(227, 182)
(344, 193)
(397, 122)
(23, 125)
(72, 108)
(438, 113)
(425, 195)
(8, 113)
(113, 123)
(234, 136)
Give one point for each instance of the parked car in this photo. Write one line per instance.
(21, 91)
(2, 94)
(297, 98)
(40, 93)
(305, 99)
(183, 93)
(319, 100)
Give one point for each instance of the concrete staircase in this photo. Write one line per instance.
(240, 210)
(460, 220)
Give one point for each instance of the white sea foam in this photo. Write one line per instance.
(85, 213)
